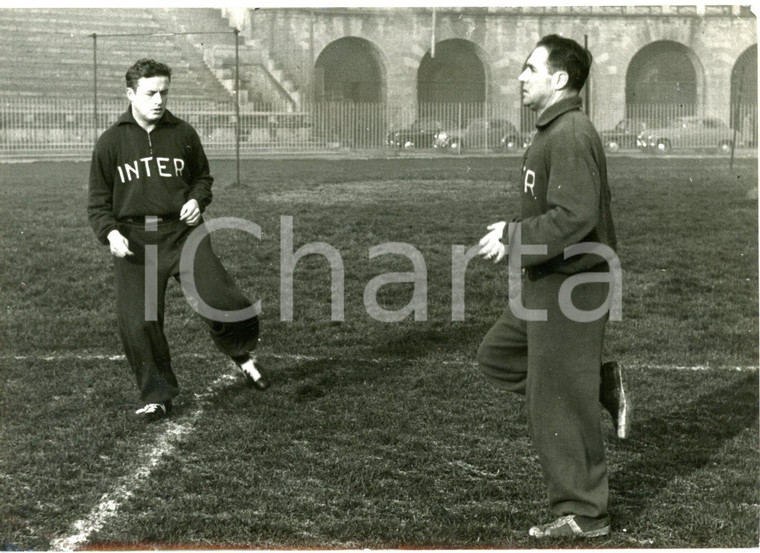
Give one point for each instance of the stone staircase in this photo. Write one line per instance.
(263, 83)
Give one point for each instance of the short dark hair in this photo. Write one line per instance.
(146, 68)
(567, 55)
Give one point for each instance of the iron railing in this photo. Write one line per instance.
(39, 127)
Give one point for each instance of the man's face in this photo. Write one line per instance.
(149, 99)
(537, 86)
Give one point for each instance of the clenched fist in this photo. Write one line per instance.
(119, 244)
(190, 213)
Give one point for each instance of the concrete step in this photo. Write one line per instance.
(75, 28)
(52, 45)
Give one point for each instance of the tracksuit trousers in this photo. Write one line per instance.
(142, 333)
(555, 364)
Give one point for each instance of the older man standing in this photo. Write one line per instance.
(540, 347)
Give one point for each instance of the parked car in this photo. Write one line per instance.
(522, 140)
(688, 132)
(480, 133)
(624, 135)
(420, 134)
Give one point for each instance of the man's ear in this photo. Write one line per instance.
(560, 80)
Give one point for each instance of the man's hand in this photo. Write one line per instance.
(491, 246)
(191, 213)
(119, 244)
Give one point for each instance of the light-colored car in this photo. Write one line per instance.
(485, 134)
(688, 133)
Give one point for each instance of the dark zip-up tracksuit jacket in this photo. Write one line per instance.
(565, 195)
(135, 173)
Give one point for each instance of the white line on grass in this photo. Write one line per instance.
(295, 357)
(110, 502)
(174, 432)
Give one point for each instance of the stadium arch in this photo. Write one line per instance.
(456, 74)
(744, 96)
(350, 69)
(350, 77)
(665, 73)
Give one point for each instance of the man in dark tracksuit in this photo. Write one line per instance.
(149, 184)
(554, 357)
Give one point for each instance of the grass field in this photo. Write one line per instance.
(376, 435)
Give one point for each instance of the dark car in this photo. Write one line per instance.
(481, 133)
(623, 136)
(421, 134)
(519, 140)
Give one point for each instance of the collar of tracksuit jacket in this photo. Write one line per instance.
(166, 119)
(555, 110)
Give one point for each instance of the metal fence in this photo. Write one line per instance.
(43, 127)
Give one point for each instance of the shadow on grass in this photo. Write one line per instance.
(676, 441)
(415, 341)
(310, 380)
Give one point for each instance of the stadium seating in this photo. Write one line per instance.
(49, 51)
